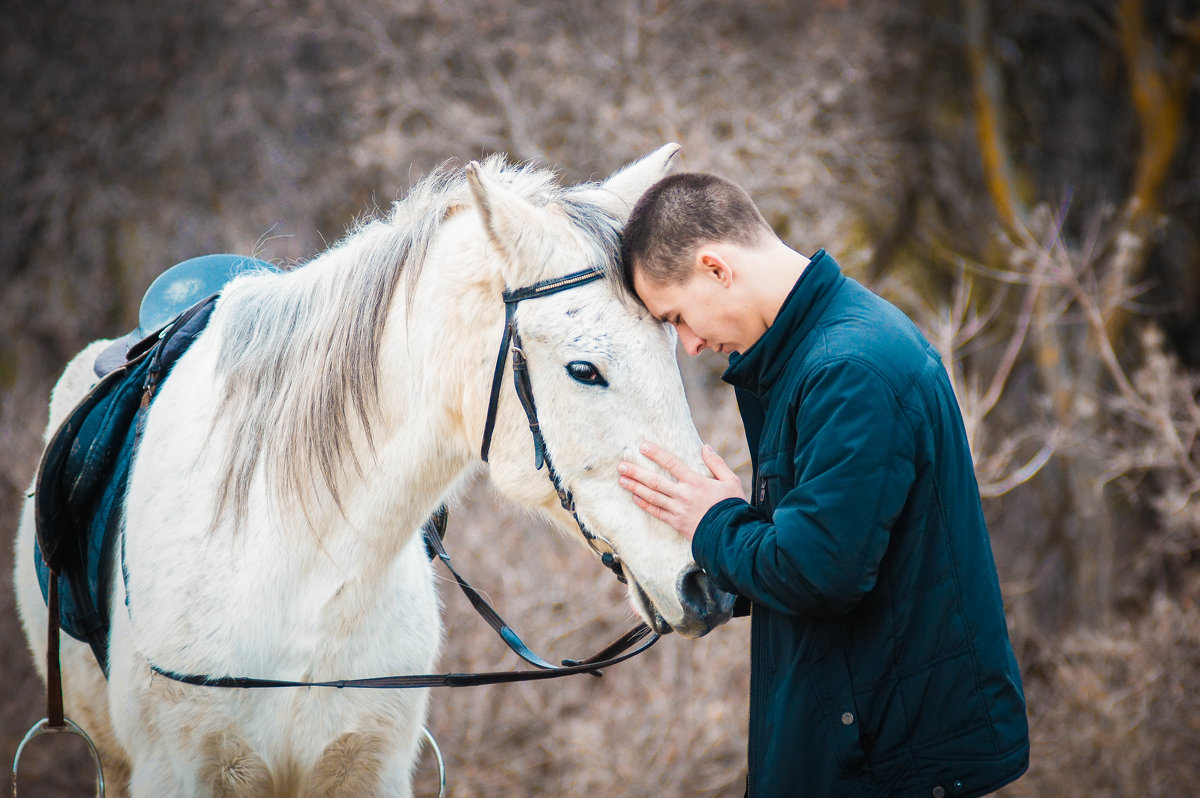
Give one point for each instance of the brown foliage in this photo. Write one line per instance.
(1118, 713)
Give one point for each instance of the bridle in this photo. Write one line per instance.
(434, 531)
(524, 388)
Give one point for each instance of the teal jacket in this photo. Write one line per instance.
(880, 658)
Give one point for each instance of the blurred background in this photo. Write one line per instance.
(1021, 177)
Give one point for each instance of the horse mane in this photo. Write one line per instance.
(299, 355)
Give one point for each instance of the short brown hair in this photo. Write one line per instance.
(677, 215)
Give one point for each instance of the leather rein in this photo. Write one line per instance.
(628, 645)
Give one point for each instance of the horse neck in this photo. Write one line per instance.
(437, 355)
(410, 450)
(435, 367)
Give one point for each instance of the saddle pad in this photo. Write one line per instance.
(82, 479)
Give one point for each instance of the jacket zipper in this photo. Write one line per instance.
(758, 491)
(749, 714)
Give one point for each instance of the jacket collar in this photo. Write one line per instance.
(760, 366)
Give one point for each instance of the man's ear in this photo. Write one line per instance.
(619, 193)
(713, 265)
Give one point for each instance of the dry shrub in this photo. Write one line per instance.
(1117, 713)
(1155, 442)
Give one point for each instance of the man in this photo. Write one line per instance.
(880, 658)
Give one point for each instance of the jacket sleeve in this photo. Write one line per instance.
(819, 552)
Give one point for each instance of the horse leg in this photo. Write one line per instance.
(230, 768)
(362, 764)
(172, 759)
(349, 766)
(226, 767)
(150, 778)
(397, 775)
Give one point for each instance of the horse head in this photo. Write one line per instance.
(602, 375)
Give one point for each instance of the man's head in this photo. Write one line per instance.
(690, 250)
(679, 214)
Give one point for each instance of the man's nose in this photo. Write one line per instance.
(692, 343)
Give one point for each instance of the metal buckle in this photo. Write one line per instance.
(69, 727)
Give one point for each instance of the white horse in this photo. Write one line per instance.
(316, 423)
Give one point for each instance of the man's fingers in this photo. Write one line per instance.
(715, 463)
(653, 509)
(646, 493)
(668, 461)
(644, 476)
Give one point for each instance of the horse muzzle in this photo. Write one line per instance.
(705, 606)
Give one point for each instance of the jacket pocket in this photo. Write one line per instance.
(769, 482)
(841, 721)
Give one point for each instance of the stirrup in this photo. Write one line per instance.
(437, 752)
(69, 727)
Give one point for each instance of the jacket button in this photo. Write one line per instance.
(847, 718)
(939, 792)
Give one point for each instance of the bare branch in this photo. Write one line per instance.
(990, 490)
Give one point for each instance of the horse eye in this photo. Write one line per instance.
(584, 372)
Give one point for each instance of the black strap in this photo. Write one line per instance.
(54, 697)
(511, 299)
(553, 285)
(610, 655)
(435, 531)
(489, 423)
(520, 368)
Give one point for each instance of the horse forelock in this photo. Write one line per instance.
(299, 352)
(602, 235)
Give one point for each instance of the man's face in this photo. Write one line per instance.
(704, 311)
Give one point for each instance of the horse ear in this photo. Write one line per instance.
(619, 193)
(507, 218)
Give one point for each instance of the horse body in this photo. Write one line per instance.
(295, 449)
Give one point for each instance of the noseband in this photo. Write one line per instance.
(524, 389)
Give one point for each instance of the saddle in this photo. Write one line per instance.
(84, 473)
(83, 476)
(173, 292)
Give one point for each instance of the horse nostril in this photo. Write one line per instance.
(702, 599)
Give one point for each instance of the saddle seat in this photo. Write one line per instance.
(173, 292)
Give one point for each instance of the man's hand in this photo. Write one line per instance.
(680, 502)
